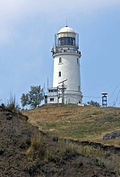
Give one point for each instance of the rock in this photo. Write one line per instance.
(112, 135)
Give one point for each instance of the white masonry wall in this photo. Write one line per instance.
(70, 70)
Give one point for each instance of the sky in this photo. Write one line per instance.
(27, 29)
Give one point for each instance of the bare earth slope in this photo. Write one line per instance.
(24, 152)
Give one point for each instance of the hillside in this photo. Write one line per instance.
(72, 121)
(26, 151)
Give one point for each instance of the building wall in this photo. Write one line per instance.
(68, 98)
(52, 96)
(70, 70)
(71, 98)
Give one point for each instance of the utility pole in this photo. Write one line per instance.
(62, 89)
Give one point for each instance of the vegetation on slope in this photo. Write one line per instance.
(26, 151)
(72, 121)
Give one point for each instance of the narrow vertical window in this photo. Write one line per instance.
(77, 60)
(60, 60)
(59, 73)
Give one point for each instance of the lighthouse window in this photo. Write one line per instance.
(66, 41)
(51, 99)
(77, 61)
(59, 73)
(60, 60)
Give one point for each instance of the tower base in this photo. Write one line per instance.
(69, 97)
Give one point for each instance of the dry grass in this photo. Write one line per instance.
(38, 148)
(63, 149)
(101, 158)
(72, 121)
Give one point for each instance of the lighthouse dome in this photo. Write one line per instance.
(66, 32)
(66, 29)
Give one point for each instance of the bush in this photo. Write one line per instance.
(11, 105)
(2, 106)
(93, 103)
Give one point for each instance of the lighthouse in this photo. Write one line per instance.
(66, 75)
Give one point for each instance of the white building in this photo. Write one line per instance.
(66, 78)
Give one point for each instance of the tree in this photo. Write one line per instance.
(33, 97)
(93, 103)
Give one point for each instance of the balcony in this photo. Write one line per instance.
(57, 51)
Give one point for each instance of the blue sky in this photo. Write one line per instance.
(27, 29)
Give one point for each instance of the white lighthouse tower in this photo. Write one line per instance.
(66, 77)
